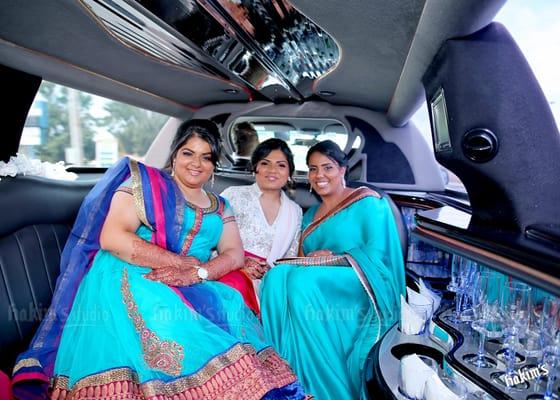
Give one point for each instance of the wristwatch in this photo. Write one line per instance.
(201, 272)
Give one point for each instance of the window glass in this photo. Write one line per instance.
(82, 129)
(299, 133)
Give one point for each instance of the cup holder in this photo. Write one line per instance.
(405, 349)
(479, 361)
(500, 355)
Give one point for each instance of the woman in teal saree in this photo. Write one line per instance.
(324, 310)
(139, 312)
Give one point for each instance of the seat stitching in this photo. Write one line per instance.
(26, 269)
(44, 258)
(57, 241)
(10, 297)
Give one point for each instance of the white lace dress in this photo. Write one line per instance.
(257, 235)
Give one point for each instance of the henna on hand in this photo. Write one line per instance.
(173, 276)
(255, 268)
(149, 255)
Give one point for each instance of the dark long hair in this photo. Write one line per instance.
(202, 128)
(264, 149)
(329, 149)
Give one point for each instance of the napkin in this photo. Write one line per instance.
(413, 376)
(411, 322)
(419, 302)
(426, 292)
(436, 390)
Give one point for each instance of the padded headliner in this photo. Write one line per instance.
(402, 37)
(366, 77)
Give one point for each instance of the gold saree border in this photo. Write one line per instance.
(162, 355)
(238, 373)
(214, 206)
(321, 261)
(367, 287)
(198, 215)
(138, 193)
(356, 195)
(26, 363)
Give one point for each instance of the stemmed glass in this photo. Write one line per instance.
(470, 275)
(453, 287)
(551, 360)
(516, 306)
(462, 273)
(486, 316)
(542, 325)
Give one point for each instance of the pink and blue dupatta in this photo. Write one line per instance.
(161, 209)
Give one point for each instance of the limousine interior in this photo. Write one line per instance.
(354, 72)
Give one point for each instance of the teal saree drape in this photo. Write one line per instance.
(324, 314)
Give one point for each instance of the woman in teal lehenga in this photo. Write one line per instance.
(324, 310)
(139, 312)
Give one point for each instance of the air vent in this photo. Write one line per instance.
(480, 145)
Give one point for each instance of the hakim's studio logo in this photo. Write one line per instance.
(526, 375)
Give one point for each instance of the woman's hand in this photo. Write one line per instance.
(190, 261)
(172, 276)
(320, 253)
(255, 268)
(118, 237)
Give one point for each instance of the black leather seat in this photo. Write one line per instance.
(35, 221)
(399, 220)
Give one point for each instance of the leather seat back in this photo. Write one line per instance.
(36, 218)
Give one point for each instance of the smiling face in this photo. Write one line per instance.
(193, 163)
(273, 171)
(326, 177)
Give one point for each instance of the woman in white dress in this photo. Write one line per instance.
(269, 221)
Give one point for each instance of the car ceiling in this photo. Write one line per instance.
(384, 49)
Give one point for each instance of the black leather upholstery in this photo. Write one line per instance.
(35, 221)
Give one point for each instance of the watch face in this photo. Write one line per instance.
(203, 273)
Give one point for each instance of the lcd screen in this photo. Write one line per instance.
(440, 126)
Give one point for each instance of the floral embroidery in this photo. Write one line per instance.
(198, 215)
(256, 233)
(164, 355)
(239, 373)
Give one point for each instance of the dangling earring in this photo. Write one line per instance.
(343, 182)
(173, 169)
(212, 180)
(310, 188)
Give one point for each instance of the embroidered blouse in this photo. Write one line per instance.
(257, 234)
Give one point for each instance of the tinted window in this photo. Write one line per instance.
(81, 129)
(299, 133)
